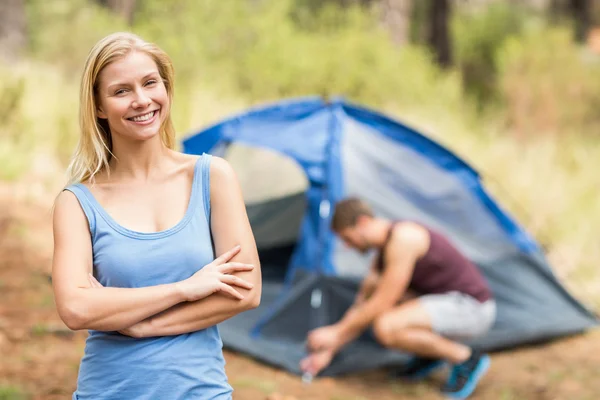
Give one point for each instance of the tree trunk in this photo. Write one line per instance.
(13, 36)
(396, 17)
(125, 8)
(581, 12)
(439, 32)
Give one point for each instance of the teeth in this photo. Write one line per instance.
(144, 117)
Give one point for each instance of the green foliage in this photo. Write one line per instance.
(265, 386)
(12, 139)
(11, 393)
(318, 15)
(11, 95)
(259, 51)
(269, 49)
(478, 34)
(39, 329)
(41, 114)
(63, 31)
(419, 21)
(548, 84)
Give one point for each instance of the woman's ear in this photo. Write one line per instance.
(100, 113)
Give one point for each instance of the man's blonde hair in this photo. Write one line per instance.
(94, 149)
(347, 212)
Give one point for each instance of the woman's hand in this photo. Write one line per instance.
(216, 277)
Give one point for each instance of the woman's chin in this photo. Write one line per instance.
(141, 136)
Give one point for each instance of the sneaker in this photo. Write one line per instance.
(464, 377)
(420, 368)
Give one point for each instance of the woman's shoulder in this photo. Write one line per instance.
(220, 168)
(69, 208)
(221, 171)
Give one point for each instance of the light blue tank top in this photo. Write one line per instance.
(188, 366)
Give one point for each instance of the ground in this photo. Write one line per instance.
(40, 356)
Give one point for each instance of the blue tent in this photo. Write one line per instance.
(348, 150)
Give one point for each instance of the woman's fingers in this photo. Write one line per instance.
(228, 289)
(234, 280)
(223, 258)
(228, 268)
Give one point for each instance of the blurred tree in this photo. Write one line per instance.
(422, 21)
(439, 33)
(580, 11)
(125, 8)
(396, 15)
(430, 26)
(478, 35)
(316, 5)
(13, 35)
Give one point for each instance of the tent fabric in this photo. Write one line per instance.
(345, 149)
(278, 337)
(276, 222)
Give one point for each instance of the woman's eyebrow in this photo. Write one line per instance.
(153, 73)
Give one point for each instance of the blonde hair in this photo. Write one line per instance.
(94, 150)
(347, 212)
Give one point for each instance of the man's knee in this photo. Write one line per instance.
(396, 326)
(385, 330)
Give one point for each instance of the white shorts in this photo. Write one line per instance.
(458, 316)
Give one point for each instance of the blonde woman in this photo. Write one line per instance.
(136, 232)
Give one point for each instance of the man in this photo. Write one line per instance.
(453, 301)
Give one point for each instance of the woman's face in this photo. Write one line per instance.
(132, 97)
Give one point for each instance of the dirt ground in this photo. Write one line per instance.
(40, 357)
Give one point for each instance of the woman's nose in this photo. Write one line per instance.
(141, 99)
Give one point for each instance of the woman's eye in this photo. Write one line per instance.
(151, 82)
(120, 91)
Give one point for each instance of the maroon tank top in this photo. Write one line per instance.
(443, 269)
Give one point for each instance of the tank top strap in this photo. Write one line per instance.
(388, 237)
(390, 231)
(86, 205)
(202, 183)
(381, 255)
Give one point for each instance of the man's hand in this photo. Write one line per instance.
(322, 343)
(325, 338)
(316, 362)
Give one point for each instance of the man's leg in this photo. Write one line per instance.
(408, 327)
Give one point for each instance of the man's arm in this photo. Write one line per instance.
(367, 286)
(230, 226)
(409, 242)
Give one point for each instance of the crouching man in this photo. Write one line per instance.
(452, 301)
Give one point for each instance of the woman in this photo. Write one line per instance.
(135, 235)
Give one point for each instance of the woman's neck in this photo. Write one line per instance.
(135, 160)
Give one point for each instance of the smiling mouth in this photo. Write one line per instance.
(142, 118)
